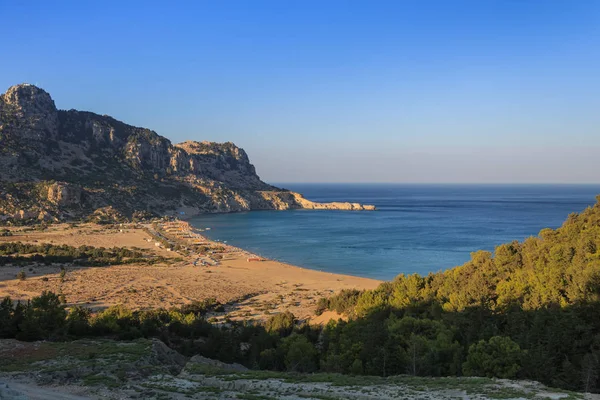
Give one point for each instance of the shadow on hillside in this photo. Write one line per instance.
(560, 346)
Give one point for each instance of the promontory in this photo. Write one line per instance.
(58, 164)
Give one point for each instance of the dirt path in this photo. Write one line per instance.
(32, 392)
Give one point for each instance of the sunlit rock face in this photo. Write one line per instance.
(70, 163)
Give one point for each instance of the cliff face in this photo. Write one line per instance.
(70, 163)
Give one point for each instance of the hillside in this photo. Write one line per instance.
(58, 164)
(529, 310)
(147, 369)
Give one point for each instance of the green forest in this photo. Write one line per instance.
(530, 310)
(22, 254)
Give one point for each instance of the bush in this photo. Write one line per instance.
(344, 302)
(282, 323)
(78, 321)
(499, 357)
(7, 326)
(322, 306)
(44, 318)
(21, 275)
(300, 354)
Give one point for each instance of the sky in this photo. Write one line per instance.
(411, 91)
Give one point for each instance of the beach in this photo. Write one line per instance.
(194, 269)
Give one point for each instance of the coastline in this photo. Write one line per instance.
(300, 278)
(293, 201)
(250, 289)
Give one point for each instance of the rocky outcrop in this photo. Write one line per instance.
(161, 355)
(223, 162)
(29, 113)
(216, 364)
(64, 195)
(74, 162)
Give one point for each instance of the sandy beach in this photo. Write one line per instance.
(253, 287)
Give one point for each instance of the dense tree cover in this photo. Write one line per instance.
(529, 310)
(22, 253)
(497, 357)
(285, 347)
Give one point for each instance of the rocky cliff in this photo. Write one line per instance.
(60, 164)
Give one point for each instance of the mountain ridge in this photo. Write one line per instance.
(60, 164)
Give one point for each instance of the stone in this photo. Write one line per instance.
(64, 194)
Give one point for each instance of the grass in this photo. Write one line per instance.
(470, 385)
(254, 397)
(318, 396)
(101, 380)
(173, 388)
(339, 379)
(64, 356)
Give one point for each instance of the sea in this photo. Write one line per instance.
(416, 228)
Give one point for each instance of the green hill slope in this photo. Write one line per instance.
(530, 310)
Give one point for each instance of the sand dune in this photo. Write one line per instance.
(255, 289)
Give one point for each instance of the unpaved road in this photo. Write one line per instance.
(32, 392)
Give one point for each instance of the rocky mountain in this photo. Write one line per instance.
(64, 164)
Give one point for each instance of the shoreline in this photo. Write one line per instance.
(196, 231)
(301, 203)
(195, 268)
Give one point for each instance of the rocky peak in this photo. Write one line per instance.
(29, 98)
(73, 162)
(33, 109)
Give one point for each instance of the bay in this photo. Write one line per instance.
(416, 228)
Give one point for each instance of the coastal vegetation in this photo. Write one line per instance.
(16, 253)
(530, 310)
(527, 311)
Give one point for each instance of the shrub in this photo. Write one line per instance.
(78, 321)
(300, 354)
(7, 327)
(322, 306)
(43, 318)
(499, 357)
(282, 323)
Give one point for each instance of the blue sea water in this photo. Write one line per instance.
(416, 228)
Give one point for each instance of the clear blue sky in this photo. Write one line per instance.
(344, 91)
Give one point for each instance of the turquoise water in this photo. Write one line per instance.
(417, 228)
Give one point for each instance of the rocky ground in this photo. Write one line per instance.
(148, 369)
